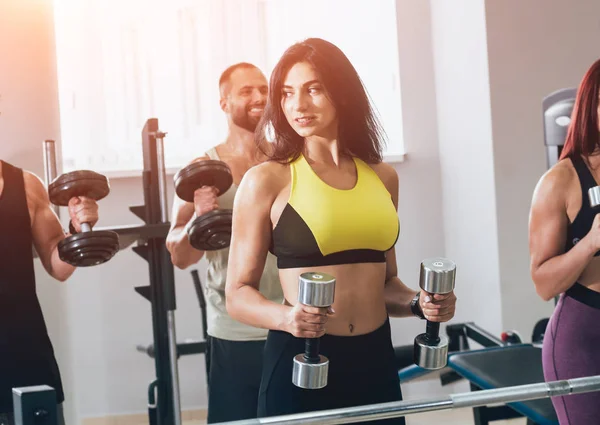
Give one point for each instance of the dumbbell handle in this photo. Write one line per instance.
(85, 227)
(432, 332)
(311, 350)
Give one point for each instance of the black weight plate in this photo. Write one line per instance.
(78, 183)
(214, 217)
(211, 231)
(88, 244)
(87, 258)
(202, 173)
(69, 244)
(95, 237)
(89, 248)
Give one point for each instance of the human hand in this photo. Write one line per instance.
(304, 321)
(82, 210)
(205, 200)
(437, 307)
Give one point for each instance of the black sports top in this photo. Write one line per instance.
(322, 225)
(26, 353)
(585, 217)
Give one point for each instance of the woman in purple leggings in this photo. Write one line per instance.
(564, 240)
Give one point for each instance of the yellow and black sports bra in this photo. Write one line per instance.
(322, 225)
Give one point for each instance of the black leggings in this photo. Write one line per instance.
(234, 379)
(361, 371)
(570, 351)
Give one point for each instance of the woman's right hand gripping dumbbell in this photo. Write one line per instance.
(304, 321)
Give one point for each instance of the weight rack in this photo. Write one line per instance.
(163, 392)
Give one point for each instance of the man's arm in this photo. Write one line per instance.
(46, 229)
(183, 254)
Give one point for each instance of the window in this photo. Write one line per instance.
(122, 62)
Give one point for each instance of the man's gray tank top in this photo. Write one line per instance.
(220, 324)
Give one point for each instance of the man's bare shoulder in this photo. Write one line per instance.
(34, 186)
(198, 159)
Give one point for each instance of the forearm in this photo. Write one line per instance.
(183, 254)
(559, 273)
(398, 297)
(59, 270)
(247, 305)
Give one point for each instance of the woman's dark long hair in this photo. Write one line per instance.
(359, 132)
(583, 135)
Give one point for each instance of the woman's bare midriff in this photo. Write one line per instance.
(359, 302)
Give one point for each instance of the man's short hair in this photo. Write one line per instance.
(226, 75)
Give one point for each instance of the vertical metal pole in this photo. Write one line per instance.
(164, 214)
(50, 167)
(162, 280)
(162, 176)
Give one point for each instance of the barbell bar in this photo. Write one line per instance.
(396, 409)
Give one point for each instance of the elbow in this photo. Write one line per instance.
(180, 257)
(541, 287)
(62, 275)
(179, 263)
(177, 260)
(543, 293)
(230, 303)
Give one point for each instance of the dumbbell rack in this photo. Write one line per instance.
(163, 393)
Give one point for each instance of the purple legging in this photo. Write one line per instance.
(571, 349)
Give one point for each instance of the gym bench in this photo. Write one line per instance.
(497, 365)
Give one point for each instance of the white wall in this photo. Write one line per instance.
(421, 220)
(465, 143)
(534, 47)
(471, 91)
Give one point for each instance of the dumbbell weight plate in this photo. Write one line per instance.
(78, 183)
(202, 173)
(311, 376)
(211, 231)
(89, 248)
(430, 355)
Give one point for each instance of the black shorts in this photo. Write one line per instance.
(234, 379)
(362, 371)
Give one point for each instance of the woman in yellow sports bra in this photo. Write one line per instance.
(324, 203)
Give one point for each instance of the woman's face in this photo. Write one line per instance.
(305, 105)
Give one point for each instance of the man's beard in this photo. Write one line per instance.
(245, 121)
